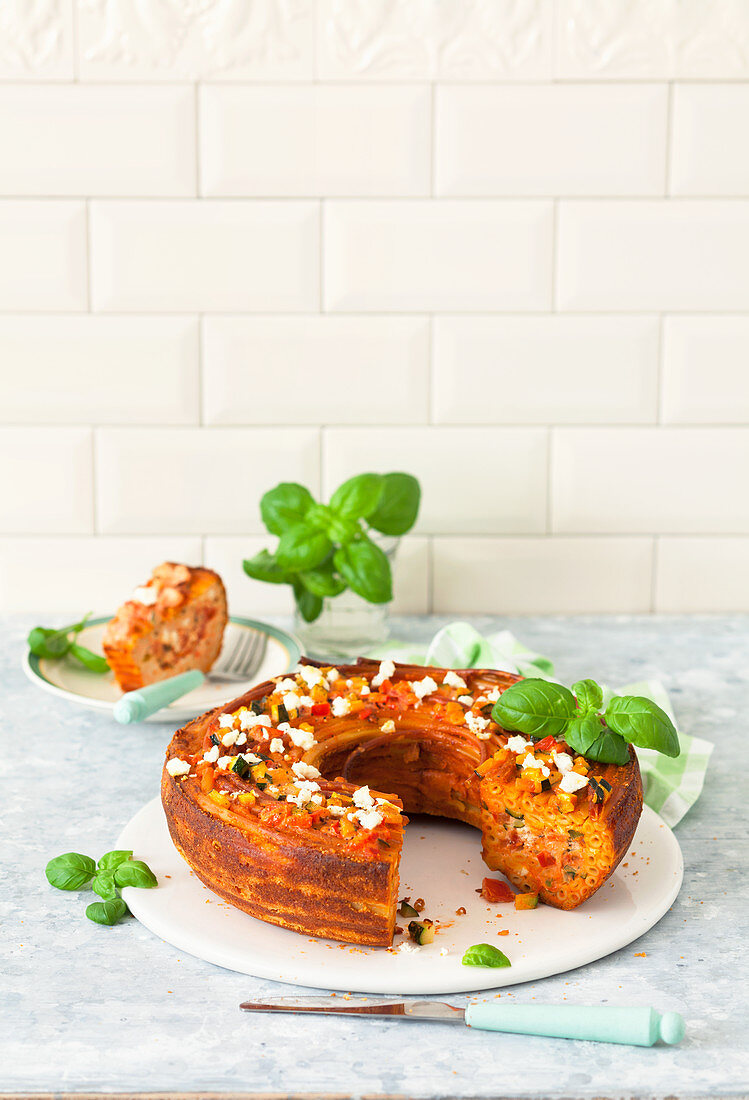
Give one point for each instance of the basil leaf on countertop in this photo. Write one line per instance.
(70, 871)
(485, 954)
(107, 912)
(113, 859)
(104, 886)
(366, 570)
(358, 497)
(135, 873)
(642, 722)
(534, 707)
(284, 506)
(399, 505)
(589, 696)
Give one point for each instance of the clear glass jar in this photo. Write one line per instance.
(347, 626)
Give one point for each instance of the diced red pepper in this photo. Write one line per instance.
(546, 744)
(494, 890)
(546, 859)
(366, 711)
(320, 710)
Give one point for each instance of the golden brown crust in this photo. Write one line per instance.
(313, 884)
(179, 627)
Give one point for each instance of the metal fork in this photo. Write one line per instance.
(242, 660)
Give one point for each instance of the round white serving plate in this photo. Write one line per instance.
(70, 680)
(441, 863)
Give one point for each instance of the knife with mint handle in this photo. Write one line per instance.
(642, 1027)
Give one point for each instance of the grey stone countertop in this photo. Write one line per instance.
(93, 1009)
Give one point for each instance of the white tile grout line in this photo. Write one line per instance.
(669, 137)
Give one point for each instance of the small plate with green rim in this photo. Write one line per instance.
(70, 680)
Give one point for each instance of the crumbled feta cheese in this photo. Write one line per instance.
(247, 720)
(340, 707)
(304, 792)
(365, 690)
(291, 700)
(516, 743)
(386, 670)
(211, 755)
(478, 725)
(306, 701)
(147, 595)
(317, 799)
(276, 745)
(226, 721)
(363, 799)
(303, 739)
(452, 680)
(572, 781)
(311, 676)
(420, 688)
(305, 771)
(388, 727)
(241, 739)
(407, 948)
(177, 767)
(337, 811)
(251, 758)
(444, 951)
(530, 762)
(563, 761)
(224, 762)
(332, 675)
(466, 700)
(230, 738)
(493, 695)
(286, 684)
(369, 819)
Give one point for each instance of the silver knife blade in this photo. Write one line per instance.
(436, 1011)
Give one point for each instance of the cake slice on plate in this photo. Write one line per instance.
(172, 623)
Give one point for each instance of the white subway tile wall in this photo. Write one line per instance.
(502, 245)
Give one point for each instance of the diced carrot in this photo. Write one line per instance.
(526, 901)
(494, 890)
(207, 781)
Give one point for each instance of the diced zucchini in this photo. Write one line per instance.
(257, 706)
(421, 931)
(407, 910)
(526, 901)
(283, 714)
(518, 817)
(240, 767)
(573, 833)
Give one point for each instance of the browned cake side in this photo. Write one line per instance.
(320, 854)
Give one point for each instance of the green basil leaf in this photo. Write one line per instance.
(343, 530)
(322, 581)
(582, 732)
(399, 505)
(110, 860)
(92, 661)
(307, 602)
(37, 640)
(264, 567)
(535, 707)
(104, 886)
(589, 696)
(107, 912)
(609, 748)
(285, 506)
(302, 547)
(70, 871)
(358, 497)
(320, 516)
(366, 570)
(485, 954)
(642, 722)
(135, 873)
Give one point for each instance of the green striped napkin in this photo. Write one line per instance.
(672, 786)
